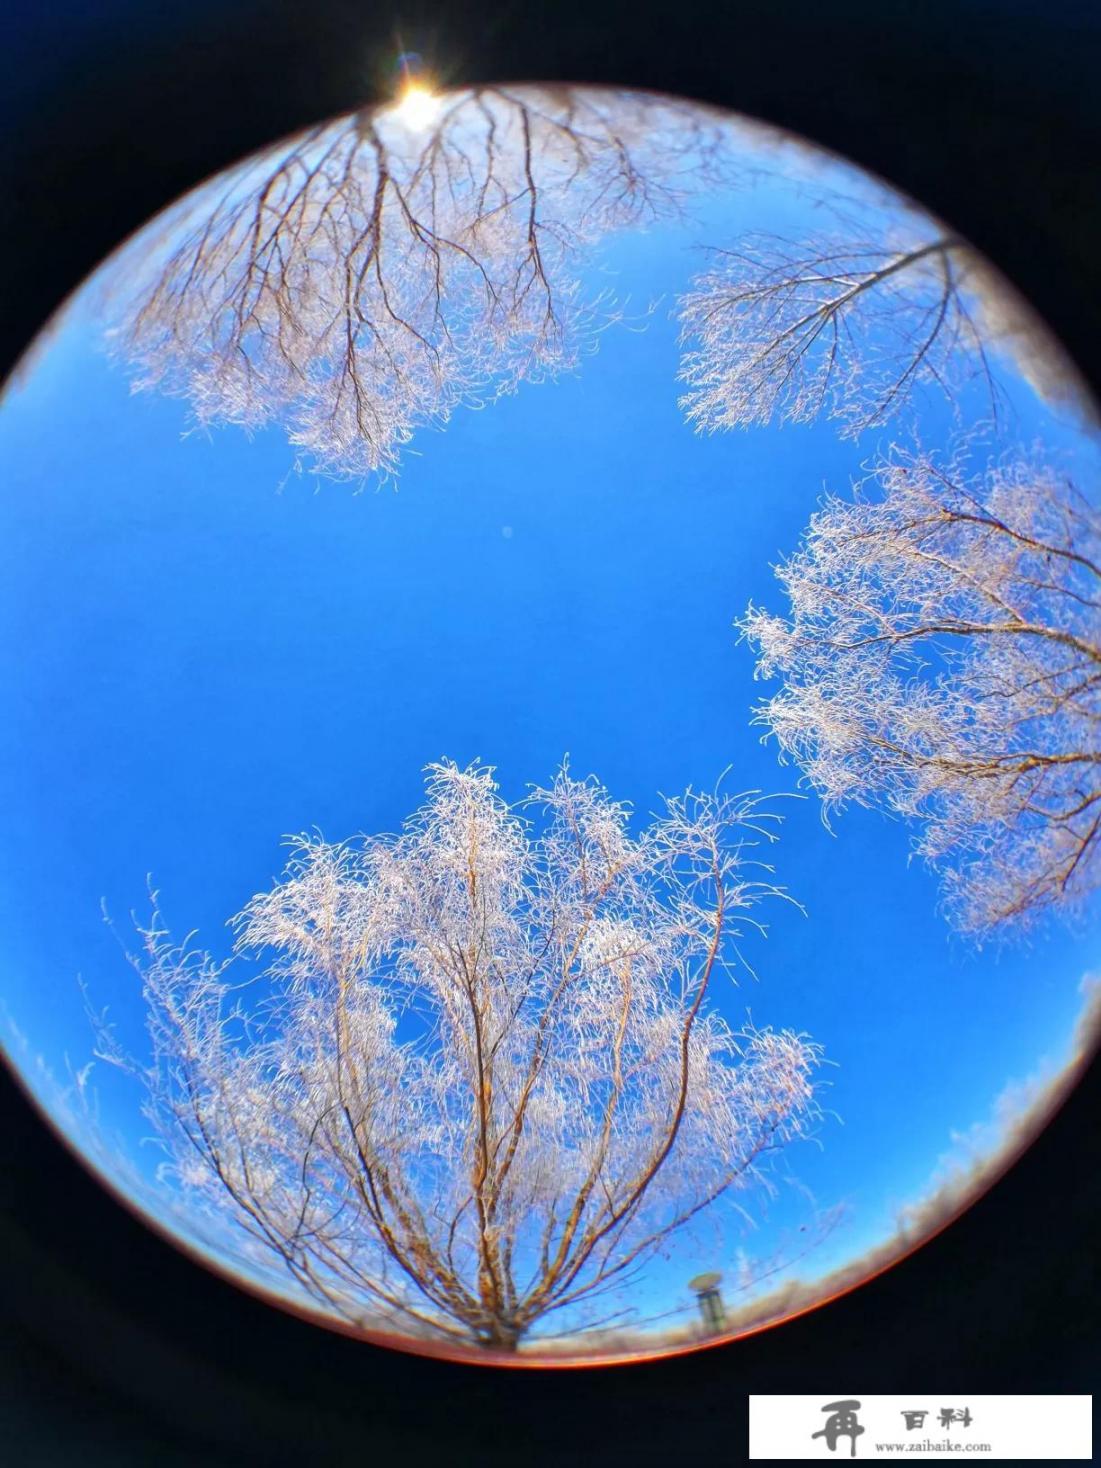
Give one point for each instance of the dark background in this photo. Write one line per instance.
(113, 1347)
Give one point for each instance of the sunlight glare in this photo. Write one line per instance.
(418, 107)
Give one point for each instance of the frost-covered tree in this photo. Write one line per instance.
(379, 271)
(941, 659)
(853, 326)
(482, 1079)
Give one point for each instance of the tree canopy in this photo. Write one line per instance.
(482, 1079)
(941, 659)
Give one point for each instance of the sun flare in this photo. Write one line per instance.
(418, 107)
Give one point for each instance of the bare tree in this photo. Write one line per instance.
(371, 275)
(941, 659)
(484, 1082)
(854, 328)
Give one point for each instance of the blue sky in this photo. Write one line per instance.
(200, 653)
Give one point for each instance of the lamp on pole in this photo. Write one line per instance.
(709, 1300)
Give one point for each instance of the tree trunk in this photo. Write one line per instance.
(503, 1335)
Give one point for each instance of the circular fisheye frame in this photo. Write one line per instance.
(687, 783)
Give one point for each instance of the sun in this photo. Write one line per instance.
(417, 107)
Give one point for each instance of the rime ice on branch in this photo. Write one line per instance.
(488, 1082)
(854, 328)
(941, 659)
(369, 278)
